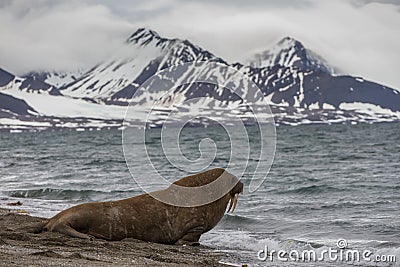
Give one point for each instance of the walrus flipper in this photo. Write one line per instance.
(68, 230)
(191, 238)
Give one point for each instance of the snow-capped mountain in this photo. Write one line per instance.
(27, 84)
(289, 52)
(58, 79)
(299, 85)
(143, 54)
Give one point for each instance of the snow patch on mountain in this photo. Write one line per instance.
(143, 54)
(289, 52)
(28, 84)
(368, 108)
(55, 78)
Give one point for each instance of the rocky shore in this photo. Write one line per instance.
(18, 247)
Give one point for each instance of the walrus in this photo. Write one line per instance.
(145, 218)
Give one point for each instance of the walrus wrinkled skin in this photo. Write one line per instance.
(146, 218)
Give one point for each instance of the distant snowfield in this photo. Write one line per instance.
(368, 108)
(62, 106)
(68, 107)
(15, 122)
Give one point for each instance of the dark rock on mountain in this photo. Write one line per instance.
(15, 105)
(33, 85)
(5, 77)
(54, 78)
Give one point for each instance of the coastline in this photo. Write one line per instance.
(20, 248)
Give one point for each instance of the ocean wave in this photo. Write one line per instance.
(312, 189)
(238, 219)
(349, 204)
(100, 162)
(248, 244)
(60, 194)
(6, 164)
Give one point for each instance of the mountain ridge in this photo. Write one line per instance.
(289, 52)
(300, 86)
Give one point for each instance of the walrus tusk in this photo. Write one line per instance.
(230, 204)
(235, 200)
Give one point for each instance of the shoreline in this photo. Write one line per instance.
(20, 248)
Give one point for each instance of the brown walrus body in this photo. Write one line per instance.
(146, 218)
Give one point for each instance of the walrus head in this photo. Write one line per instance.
(234, 195)
(202, 189)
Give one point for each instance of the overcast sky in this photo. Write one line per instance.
(360, 37)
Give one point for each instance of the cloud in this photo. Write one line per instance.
(359, 37)
(55, 35)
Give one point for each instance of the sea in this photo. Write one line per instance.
(330, 198)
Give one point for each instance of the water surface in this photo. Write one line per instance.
(327, 182)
